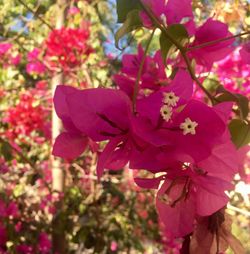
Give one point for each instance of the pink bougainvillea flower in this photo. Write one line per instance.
(35, 66)
(245, 53)
(184, 127)
(44, 244)
(15, 58)
(177, 11)
(73, 10)
(67, 48)
(211, 30)
(153, 72)
(4, 47)
(185, 194)
(9, 56)
(113, 246)
(99, 114)
(170, 12)
(71, 143)
(104, 115)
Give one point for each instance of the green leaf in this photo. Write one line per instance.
(131, 23)
(241, 101)
(240, 132)
(179, 33)
(124, 7)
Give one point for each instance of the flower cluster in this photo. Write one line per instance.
(171, 134)
(35, 65)
(67, 48)
(26, 116)
(234, 72)
(153, 124)
(9, 56)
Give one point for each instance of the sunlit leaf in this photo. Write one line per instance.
(176, 31)
(240, 132)
(131, 23)
(124, 7)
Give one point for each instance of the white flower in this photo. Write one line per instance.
(189, 126)
(164, 19)
(170, 99)
(166, 112)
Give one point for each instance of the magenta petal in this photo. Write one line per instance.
(142, 159)
(182, 85)
(105, 155)
(69, 145)
(208, 203)
(61, 106)
(222, 163)
(100, 113)
(211, 30)
(149, 183)
(59, 99)
(150, 106)
(143, 128)
(210, 128)
(125, 84)
(212, 184)
(178, 220)
(119, 157)
(224, 110)
(210, 194)
(176, 10)
(245, 53)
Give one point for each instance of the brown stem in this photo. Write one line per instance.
(23, 157)
(35, 13)
(27, 160)
(217, 41)
(137, 82)
(59, 242)
(179, 46)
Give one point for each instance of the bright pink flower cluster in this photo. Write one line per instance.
(158, 126)
(35, 65)
(26, 116)
(171, 134)
(180, 12)
(67, 48)
(234, 72)
(8, 55)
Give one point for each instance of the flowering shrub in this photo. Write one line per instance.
(152, 122)
(151, 160)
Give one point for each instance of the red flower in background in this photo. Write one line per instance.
(26, 116)
(67, 48)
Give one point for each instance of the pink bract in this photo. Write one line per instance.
(207, 55)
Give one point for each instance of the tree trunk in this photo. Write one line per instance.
(58, 175)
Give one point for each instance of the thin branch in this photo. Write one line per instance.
(206, 44)
(137, 82)
(239, 210)
(35, 14)
(180, 47)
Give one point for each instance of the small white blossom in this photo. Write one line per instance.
(170, 99)
(189, 126)
(164, 19)
(166, 112)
